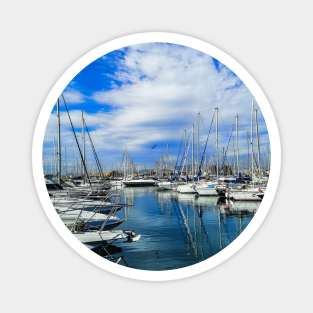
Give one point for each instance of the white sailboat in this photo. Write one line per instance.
(252, 194)
(95, 237)
(167, 185)
(206, 189)
(98, 206)
(209, 188)
(87, 219)
(186, 188)
(141, 182)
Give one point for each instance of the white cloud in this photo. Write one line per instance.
(162, 89)
(73, 96)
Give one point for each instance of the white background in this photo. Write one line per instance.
(39, 40)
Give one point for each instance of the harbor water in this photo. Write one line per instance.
(177, 230)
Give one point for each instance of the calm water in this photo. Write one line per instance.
(177, 230)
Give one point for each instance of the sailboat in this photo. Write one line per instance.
(209, 188)
(99, 237)
(129, 178)
(85, 204)
(140, 182)
(87, 219)
(250, 193)
(167, 185)
(188, 187)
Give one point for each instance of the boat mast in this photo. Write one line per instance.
(83, 148)
(76, 140)
(258, 139)
(216, 143)
(248, 154)
(124, 165)
(132, 168)
(59, 143)
(65, 162)
(235, 169)
(98, 164)
(251, 142)
(237, 145)
(193, 151)
(55, 159)
(185, 134)
(185, 156)
(268, 156)
(167, 161)
(198, 140)
(203, 157)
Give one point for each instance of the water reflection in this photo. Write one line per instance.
(178, 230)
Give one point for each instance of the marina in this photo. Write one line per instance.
(160, 230)
(178, 230)
(156, 201)
(162, 218)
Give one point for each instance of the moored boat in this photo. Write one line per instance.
(167, 185)
(245, 195)
(95, 237)
(139, 182)
(186, 188)
(206, 189)
(85, 220)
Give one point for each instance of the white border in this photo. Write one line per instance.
(204, 47)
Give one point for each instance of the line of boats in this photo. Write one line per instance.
(223, 187)
(90, 214)
(192, 172)
(88, 206)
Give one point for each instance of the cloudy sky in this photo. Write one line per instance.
(141, 98)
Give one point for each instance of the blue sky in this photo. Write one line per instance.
(144, 96)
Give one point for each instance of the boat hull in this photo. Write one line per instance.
(189, 188)
(163, 186)
(96, 237)
(245, 196)
(139, 183)
(206, 191)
